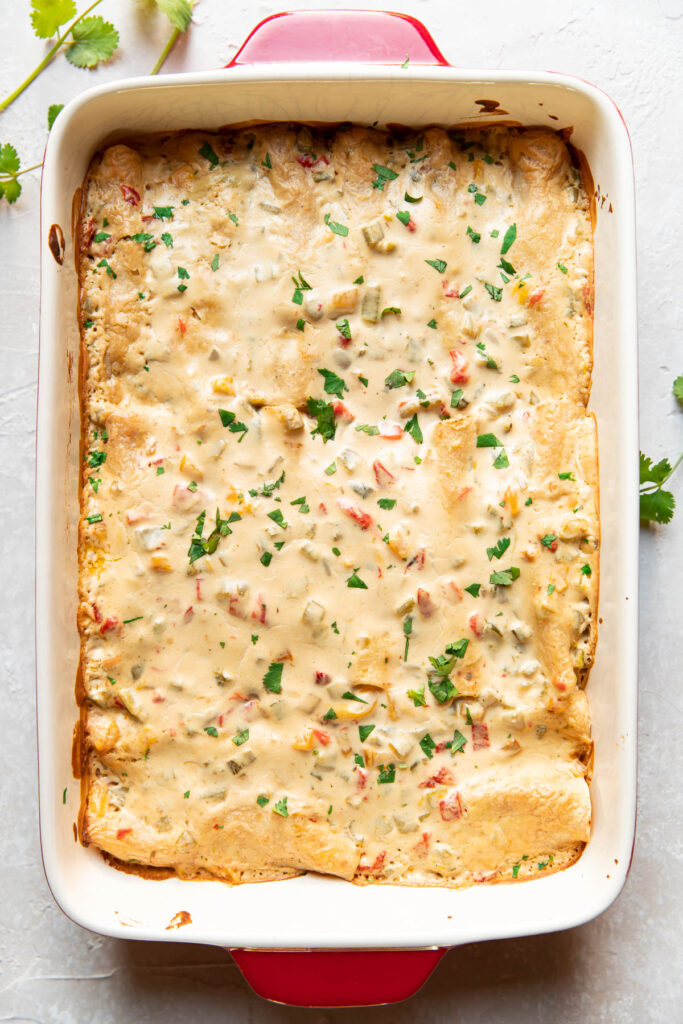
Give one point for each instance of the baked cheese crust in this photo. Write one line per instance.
(339, 533)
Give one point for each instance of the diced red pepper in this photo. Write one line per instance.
(130, 195)
(480, 736)
(382, 474)
(189, 614)
(459, 368)
(259, 612)
(474, 624)
(536, 296)
(306, 160)
(450, 291)
(342, 413)
(390, 431)
(451, 807)
(442, 778)
(322, 678)
(376, 865)
(425, 604)
(361, 777)
(181, 326)
(322, 736)
(121, 833)
(364, 519)
(109, 623)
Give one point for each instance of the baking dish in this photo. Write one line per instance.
(362, 79)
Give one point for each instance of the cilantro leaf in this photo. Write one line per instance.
(335, 226)
(499, 549)
(364, 731)
(323, 413)
(413, 428)
(442, 689)
(355, 582)
(474, 589)
(458, 743)
(678, 389)
(52, 111)
(657, 506)
(272, 680)
(9, 159)
(178, 12)
(48, 15)
(510, 236)
(94, 40)
(504, 577)
(488, 441)
(334, 385)
(418, 697)
(397, 378)
(10, 189)
(439, 265)
(428, 745)
(384, 174)
(281, 808)
(656, 474)
(387, 773)
(207, 151)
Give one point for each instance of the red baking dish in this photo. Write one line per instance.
(301, 941)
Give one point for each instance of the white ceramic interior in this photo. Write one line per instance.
(314, 912)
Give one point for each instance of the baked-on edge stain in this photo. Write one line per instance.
(55, 240)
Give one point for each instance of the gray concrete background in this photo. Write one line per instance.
(621, 968)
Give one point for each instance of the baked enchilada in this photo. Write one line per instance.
(339, 523)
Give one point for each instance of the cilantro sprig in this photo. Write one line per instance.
(656, 504)
(86, 40)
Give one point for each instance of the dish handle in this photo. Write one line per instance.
(337, 977)
(369, 37)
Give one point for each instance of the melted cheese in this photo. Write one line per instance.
(339, 509)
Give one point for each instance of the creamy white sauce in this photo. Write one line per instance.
(343, 564)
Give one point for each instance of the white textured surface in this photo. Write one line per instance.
(620, 968)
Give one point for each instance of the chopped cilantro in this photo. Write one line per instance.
(211, 730)
(398, 378)
(508, 239)
(272, 680)
(384, 174)
(499, 548)
(281, 808)
(334, 385)
(355, 582)
(428, 745)
(458, 743)
(241, 737)
(439, 265)
(364, 731)
(323, 413)
(473, 589)
(488, 441)
(207, 151)
(504, 577)
(412, 427)
(336, 227)
(387, 773)
(386, 503)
